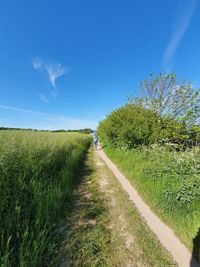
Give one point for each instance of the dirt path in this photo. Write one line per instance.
(104, 229)
(179, 252)
(134, 243)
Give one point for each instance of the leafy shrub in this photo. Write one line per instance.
(128, 127)
(132, 125)
(188, 192)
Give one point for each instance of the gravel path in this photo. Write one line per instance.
(179, 252)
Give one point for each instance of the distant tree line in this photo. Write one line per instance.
(84, 131)
(17, 129)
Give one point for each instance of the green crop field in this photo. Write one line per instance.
(37, 173)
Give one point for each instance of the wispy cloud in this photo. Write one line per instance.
(54, 70)
(43, 97)
(25, 110)
(37, 63)
(19, 117)
(178, 34)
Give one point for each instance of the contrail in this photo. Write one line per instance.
(178, 35)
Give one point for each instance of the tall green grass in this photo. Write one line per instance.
(169, 181)
(37, 172)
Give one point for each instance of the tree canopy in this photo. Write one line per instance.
(170, 98)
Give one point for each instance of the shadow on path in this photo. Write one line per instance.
(196, 250)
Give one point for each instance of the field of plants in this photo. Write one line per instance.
(37, 174)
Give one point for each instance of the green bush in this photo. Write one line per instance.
(129, 126)
(194, 136)
(132, 125)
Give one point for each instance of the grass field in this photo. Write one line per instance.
(37, 173)
(169, 181)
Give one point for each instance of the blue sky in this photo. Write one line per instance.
(67, 64)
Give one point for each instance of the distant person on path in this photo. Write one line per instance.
(95, 141)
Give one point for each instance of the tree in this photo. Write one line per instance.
(170, 99)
